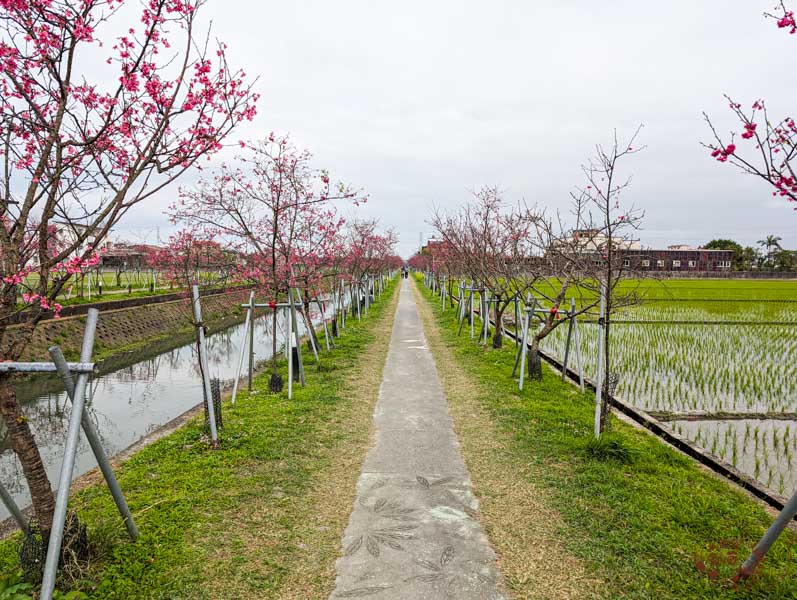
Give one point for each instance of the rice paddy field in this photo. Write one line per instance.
(716, 360)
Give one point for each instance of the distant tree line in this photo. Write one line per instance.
(769, 256)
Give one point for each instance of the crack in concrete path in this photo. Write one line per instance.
(413, 532)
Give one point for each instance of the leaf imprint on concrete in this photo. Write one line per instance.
(363, 591)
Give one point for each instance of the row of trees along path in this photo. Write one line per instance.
(83, 145)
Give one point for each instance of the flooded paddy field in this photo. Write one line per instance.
(726, 349)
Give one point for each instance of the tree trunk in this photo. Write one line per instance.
(275, 380)
(24, 445)
(603, 421)
(534, 360)
(498, 335)
(607, 375)
(274, 356)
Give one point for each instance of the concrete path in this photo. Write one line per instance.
(412, 533)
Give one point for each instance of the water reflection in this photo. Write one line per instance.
(128, 403)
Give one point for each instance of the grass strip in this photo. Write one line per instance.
(644, 520)
(263, 516)
(516, 514)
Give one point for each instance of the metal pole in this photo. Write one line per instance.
(252, 340)
(778, 525)
(485, 298)
(599, 378)
(307, 323)
(577, 342)
(203, 365)
(517, 320)
(68, 464)
(324, 321)
(519, 335)
(95, 443)
(12, 507)
(242, 352)
(524, 347)
(359, 300)
(342, 302)
(295, 326)
(472, 313)
(42, 367)
(289, 348)
(567, 344)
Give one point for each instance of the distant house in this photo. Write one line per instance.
(593, 240)
(433, 249)
(69, 234)
(676, 258)
(679, 258)
(126, 256)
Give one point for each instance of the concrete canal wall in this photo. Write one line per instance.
(126, 328)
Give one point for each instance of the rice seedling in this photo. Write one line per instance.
(711, 347)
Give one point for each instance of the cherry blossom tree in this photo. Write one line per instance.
(319, 243)
(273, 207)
(80, 148)
(186, 256)
(596, 250)
(368, 250)
(419, 262)
(762, 146)
(490, 244)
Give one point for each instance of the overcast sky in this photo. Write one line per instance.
(419, 102)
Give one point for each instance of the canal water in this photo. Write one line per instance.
(128, 403)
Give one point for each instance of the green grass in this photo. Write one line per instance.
(182, 493)
(643, 517)
(718, 289)
(690, 290)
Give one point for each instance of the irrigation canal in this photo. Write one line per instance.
(127, 403)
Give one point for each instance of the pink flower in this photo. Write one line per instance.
(749, 130)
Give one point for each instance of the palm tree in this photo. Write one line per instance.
(771, 241)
